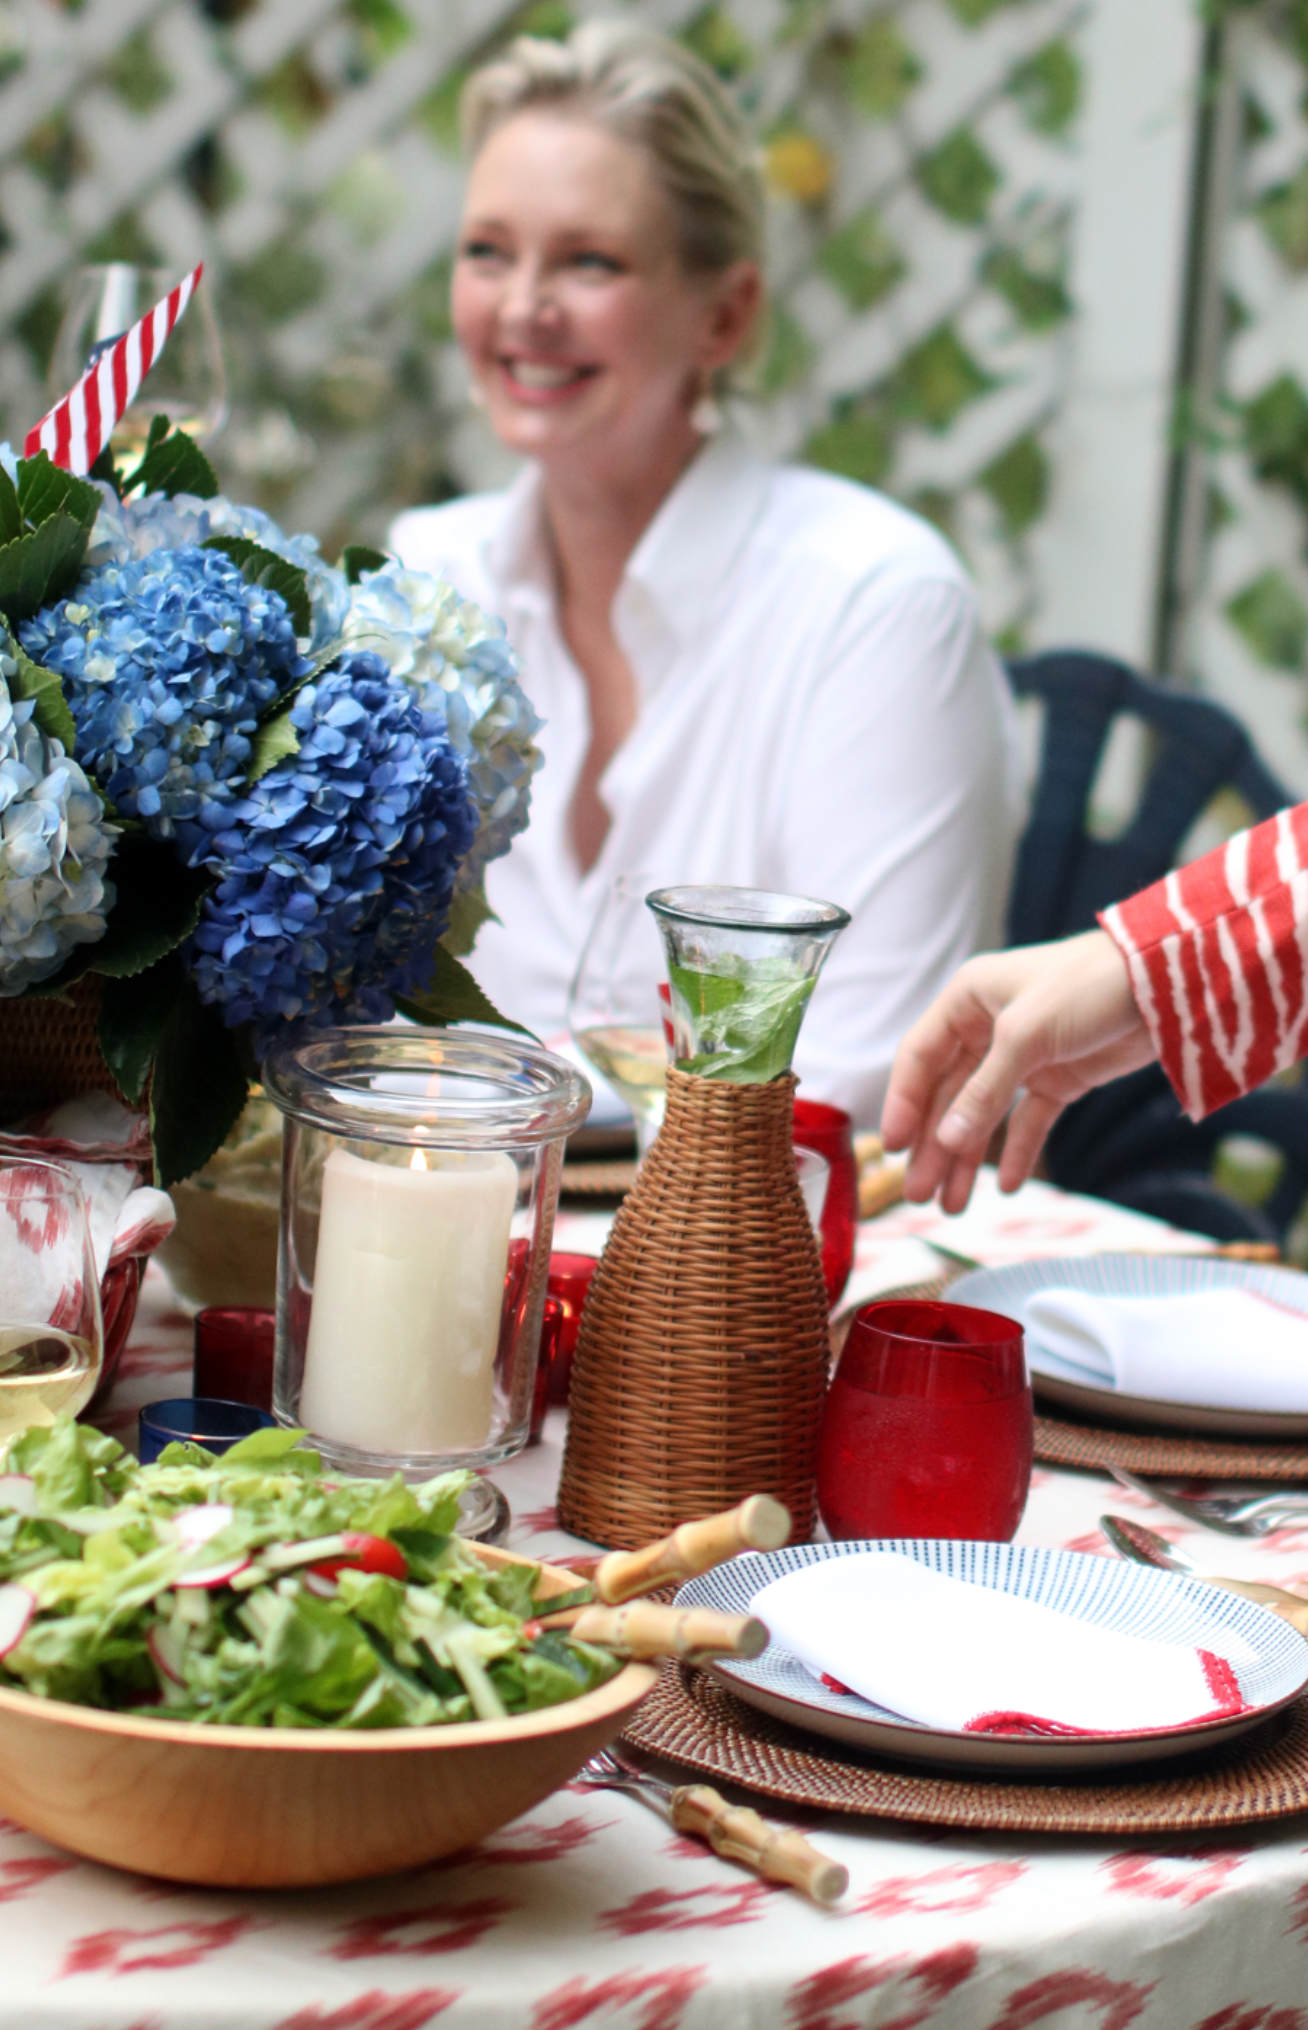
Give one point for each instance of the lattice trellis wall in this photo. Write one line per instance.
(923, 190)
(1248, 643)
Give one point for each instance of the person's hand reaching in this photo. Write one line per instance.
(1048, 1021)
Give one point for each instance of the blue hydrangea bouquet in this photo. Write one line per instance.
(243, 787)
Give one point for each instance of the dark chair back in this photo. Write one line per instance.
(1130, 1142)
(1063, 876)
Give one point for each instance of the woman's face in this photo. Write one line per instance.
(581, 327)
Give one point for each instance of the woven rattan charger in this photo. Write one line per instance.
(693, 1721)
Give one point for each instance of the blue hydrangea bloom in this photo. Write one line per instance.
(336, 869)
(54, 848)
(458, 661)
(127, 530)
(168, 661)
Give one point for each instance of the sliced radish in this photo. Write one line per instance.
(165, 1647)
(318, 1583)
(18, 1492)
(209, 1576)
(197, 1525)
(17, 1606)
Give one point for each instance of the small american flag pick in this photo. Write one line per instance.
(77, 429)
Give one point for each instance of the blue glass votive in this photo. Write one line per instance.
(202, 1419)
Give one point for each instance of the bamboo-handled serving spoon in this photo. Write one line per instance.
(1132, 1540)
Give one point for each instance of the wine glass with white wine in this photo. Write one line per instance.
(187, 383)
(617, 1002)
(51, 1332)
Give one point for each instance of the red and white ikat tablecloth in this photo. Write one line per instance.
(590, 1914)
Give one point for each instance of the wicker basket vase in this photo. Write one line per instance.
(701, 1364)
(49, 1051)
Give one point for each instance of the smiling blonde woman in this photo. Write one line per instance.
(751, 673)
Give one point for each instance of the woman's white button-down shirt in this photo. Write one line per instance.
(818, 713)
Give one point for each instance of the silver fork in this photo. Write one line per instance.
(1255, 1516)
(733, 1831)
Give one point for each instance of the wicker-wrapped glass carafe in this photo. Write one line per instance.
(701, 1363)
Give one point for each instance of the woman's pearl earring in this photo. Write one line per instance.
(706, 416)
(476, 395)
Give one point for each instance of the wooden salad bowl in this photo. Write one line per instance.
(287, 1808)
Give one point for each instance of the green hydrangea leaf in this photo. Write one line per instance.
(1018, 484)
(1273, 620)
(453, 996)
(276, 574)
(1283, 215)
(937, 379)
(133, 1013)
(879, 69)
(862, 260)
(33, 680)
(959, 178)
(1038, 300)
(356, 558)
(469, 910)
(158, 905)
(1047, 88)
(44, 488)
(855, 443)
(274, 741)
(198, 1088)
(11, 515)
(173, 463)
(41, 565)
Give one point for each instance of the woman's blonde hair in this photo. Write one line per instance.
(646, 89)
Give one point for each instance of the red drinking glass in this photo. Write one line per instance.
(551, 1327)
(927, 1430)
(830, 1131)
(234, 1354)
(569, 1281)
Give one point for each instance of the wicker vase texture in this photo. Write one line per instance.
(701, 1364)
(49, 1051)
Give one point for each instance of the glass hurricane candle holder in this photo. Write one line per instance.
(419, 1181)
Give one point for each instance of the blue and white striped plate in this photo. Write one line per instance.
(1269, 1658)
(1007, 1289)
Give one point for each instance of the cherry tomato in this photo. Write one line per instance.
(365, 1553)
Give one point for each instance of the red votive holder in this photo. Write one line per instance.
(927, 1430)
(570, 1277)
(551, 1329)
(234, 1354)
(830, 1131)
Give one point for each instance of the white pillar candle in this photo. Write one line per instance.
(408, 1291)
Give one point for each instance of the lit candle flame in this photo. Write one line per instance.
(418, 1161)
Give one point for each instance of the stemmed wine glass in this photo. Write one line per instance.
(187, 383)
(51, 1332)
(617, 1005)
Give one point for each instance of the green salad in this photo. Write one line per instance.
(251, 1589)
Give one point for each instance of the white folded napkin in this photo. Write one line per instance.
(1224, 1349)
(970, 1659)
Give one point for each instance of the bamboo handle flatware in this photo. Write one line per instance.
(733, 1831)
(643, 1629)
(759, 1524)
(738, 1834)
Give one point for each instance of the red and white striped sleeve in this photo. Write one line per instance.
(1218, 955)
